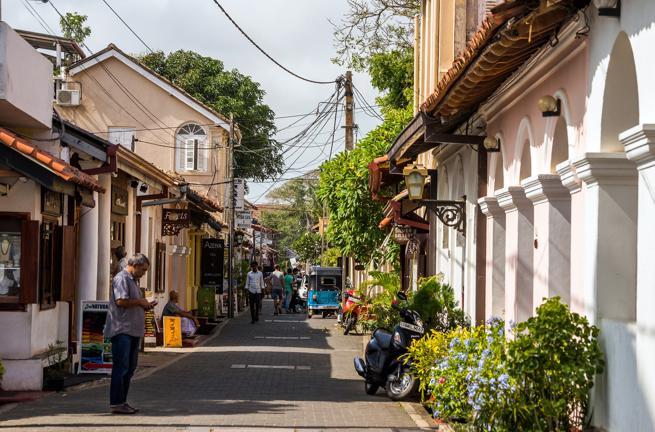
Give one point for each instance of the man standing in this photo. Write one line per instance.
(277, 281)
(254, 285)
(288, 290)
(261, 298)
(188, 322)
(125, 326)
(121, 259)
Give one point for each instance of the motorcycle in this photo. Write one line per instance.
(352, 309)
(383, 365)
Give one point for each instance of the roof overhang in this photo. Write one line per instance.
(48, 42)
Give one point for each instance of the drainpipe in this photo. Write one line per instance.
(139, 208)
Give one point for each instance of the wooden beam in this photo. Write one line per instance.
(9, 173)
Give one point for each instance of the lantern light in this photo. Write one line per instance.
(549, 106)
(415, 175)
(490, 143)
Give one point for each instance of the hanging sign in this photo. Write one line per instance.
(244, 220)
(211, 262)
(119, 198)
(174, 220)
(172, 332)
(96, 350)
(239, 191)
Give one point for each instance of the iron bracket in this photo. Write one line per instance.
(450, 213)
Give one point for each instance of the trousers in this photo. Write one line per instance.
(125, 354)
(254, 299)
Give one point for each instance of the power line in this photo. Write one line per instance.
(123, 21)
(264, 52)
(40, 19)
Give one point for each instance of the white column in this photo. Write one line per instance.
(519, 214)
(571, 181)
(104, 243)
(552, 231)
(130, 221)
(495, 265)
(639, 145)
(610, 235)
(87, 263)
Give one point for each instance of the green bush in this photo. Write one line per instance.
(2, 370)
(436, 301)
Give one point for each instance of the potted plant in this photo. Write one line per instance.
(56, 366)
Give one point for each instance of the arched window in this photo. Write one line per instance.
(191, 148)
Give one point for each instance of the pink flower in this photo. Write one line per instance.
(394, 302)
(441, 380)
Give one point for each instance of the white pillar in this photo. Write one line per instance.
(495, 265)
(130, 222)
(87, 263)
(552, 233)
(519, 219)
(104, 238)
(610, 235)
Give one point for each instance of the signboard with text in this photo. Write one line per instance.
(211, 262)
(207, 301)
(244, 220)
(172, 332)
(237, 194)
(174, 220)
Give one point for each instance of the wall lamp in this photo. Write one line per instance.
(134, 183)
(144, 188)
(415, 175)
(608, 8)
(491, 144)
(549, 106)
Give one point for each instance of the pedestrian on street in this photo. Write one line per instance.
(121, 257)
(288, 290)
(125, 327)
(254, 284)
(277, 291)
(261, 298)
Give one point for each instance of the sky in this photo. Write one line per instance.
(294, 32)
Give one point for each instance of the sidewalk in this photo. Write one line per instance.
(283, 372)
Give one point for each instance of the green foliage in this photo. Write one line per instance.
(55, 360)
(343, 183)
(72, 27)
(332, 257)
(205, 78)
(2, 370)
(379, 310)
(436, 301)
(308, 247)
(392, 73)
(556, 356)
(425, 353)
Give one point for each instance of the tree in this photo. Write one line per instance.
(292, 205)
(354, 214)
(72, 26)
(226, 92)
(308, 247)
(392, 74)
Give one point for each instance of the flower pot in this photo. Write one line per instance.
(55, 384)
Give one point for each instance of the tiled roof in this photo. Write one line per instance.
(506, 39)
(61, 168)
(212, 204)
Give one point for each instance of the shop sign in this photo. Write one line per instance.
(211, 262)
(172, 332)
(96, 350)
(174, 220)
(207, 300)
(118, 201)
(151, 324)
(244, 220)
(236, 194)
(403, 233)
(50, 202)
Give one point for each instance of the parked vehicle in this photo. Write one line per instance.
(352, 309)
(303, 291)
(383, 366)
(324, 285)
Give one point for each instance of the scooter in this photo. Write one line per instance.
(383, 366)
(352, 308)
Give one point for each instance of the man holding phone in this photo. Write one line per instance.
(125, 327)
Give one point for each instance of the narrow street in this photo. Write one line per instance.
(211, 387)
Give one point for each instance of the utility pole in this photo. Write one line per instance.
(230, 275)
(349, 111)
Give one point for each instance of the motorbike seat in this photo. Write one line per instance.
(383, 338)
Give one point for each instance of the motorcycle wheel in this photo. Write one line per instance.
(401, 390)
(370, 388)
(309, 313)
(350, 323)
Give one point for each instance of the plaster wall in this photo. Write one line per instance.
(577, 250)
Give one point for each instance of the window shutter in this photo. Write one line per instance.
(189, 156)
(68, 263)
(202, 155)
(179, 155)
(29, 262)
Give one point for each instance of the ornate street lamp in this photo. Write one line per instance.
(415, 175)
(238, 238)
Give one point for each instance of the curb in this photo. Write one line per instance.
(417, 413)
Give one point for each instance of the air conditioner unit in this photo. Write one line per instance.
(68, 97)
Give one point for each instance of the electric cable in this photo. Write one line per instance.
(40, 19)
(264, 52)
(130, 28)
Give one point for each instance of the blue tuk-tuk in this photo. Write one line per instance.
(324, 287)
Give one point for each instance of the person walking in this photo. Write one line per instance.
(261, 298)
(277, 282)
(124, 327)
(288, 290)
(254, 284)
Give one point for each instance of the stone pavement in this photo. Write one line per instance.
(249, 377)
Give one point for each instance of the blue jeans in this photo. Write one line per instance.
(287, 300)
(125, 354)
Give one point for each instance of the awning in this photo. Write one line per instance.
(508, 37)
(400, 209)
(44, 168)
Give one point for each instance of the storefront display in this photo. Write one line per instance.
(10, 251)
(96, 350)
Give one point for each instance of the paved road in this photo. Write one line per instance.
(211, 388)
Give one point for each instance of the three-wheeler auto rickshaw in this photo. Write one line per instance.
(324, 287)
